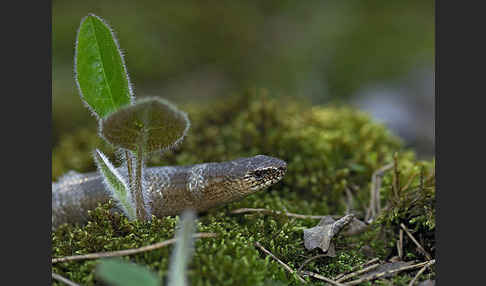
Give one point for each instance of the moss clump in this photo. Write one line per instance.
(328, 150)
(410, 193)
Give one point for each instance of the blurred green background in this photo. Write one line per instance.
(376, 55)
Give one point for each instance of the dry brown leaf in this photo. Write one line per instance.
(321, 235)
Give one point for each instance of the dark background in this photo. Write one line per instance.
(376, 55)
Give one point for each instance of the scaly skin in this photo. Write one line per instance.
(170, 190)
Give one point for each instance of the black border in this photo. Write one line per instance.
(26, 134)
(459, 125)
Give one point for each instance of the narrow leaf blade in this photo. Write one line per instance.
(183, 250)
(120, 273)
(116, 184)
(101, 74)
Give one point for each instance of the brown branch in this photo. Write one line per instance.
(416, 242)
(320, 277)
(420, 272)
(267, 211)
(63, 280)
(356, 273)
(127, 251)
(381, 274)
(257, 244)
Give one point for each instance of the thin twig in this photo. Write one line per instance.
(257, 244)
(356, 273)
(63, 280)
(381, 274)
(349, 200)
(396, 176)
(357, 267)
(371, 261)
(375, 205)
(416, 242)
(320, 277)
(410, 180)
(400, 244)
(310, 259)
(250, 210)
(420, 272)
(128, 251)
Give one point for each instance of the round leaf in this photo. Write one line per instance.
(152, 124)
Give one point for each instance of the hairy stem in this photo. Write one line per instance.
(137, 190)
(128, 157)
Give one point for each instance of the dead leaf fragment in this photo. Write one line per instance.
(322, 234)
(354, 227)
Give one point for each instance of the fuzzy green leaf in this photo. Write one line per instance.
(101, 74)
(183, 250)
(116, 184)
(120, 273)
(152, 123)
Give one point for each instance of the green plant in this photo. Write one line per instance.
(121, 273)
(137, 128)
(327, 149)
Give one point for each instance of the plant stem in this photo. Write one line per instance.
(128, 157)
(137, 190)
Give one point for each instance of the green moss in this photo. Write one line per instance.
(328, 150)
(410, 194)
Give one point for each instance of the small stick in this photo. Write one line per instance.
(127, 251)
(257, 244)
(381, 274)
(63, 280)
(375, 206)
(410, 180)
(415, 241)
(420, 272)
(250, 210)
(310, 259)
(352, 274)
(371, 261)
(357, 267)
(400, 243)
(317, 276)
(396, 176)
(349, 201)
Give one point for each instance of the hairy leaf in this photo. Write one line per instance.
(101, 74)
(120, 273)
(182, 251)
(115, 183)
(152, 123)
